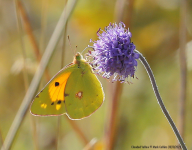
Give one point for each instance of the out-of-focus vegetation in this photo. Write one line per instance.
(155, 32)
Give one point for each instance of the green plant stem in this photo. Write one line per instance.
(160, 101)
(37, 77)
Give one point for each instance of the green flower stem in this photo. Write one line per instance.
(160, 101)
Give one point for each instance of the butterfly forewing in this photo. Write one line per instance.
(50, 101)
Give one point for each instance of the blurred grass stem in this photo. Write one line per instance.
(120, 7)
(19, 27)
(58, 132)
(64, 44)
(183, 66)
(19, 7)
(122, 14)
(29, 31)
(62, 60)
(113, 116)
(160, 101)
(34, 132)
(77, 130)
(45, 4)
(1, 139)
(119, 10)
(37, 77)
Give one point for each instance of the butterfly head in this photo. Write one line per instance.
(78, 57)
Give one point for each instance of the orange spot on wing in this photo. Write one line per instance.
(57, 92)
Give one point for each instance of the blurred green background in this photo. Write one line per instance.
(154, 25)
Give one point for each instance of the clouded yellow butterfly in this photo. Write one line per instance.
(74, 90)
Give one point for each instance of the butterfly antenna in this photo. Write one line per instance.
(76, 49)
(86, 48)
(74, 52)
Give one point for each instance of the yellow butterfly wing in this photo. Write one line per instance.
(50, 100)
(74, 90)
(83, 93)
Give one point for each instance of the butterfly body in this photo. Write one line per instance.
(74, 90)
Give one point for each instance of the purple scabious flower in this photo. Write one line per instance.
(113, 53)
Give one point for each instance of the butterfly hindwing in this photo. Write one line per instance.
(83, 92)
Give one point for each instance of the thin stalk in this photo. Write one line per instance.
(28, 29)
(129, 12)
(58, 132)
(120, 8)
(123, 11)
(113, 116)
(45, 4)
(19, 8)
(44, 8)
(78, 131)
(183, 67)
(38, 75)
(1, 139)
(29, 32)
(19, 26)
(160, 101)
(62, 60)
(64, 44)
(34, 130)
(25, 76)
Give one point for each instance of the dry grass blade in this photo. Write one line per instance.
(183, 67)
(37, 77)
(113, 116)
(1, 139)
(78, 131)
(29, 31)
(19, 26)
(19, 7)
(111, 131)
(62, 60)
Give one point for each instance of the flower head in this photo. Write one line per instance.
(113, 53)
